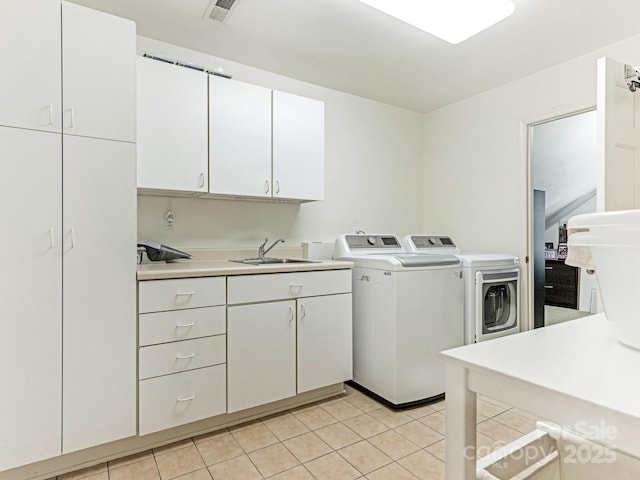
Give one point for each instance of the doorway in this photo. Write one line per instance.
(563, 169)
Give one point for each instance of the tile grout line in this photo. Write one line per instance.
(495, 408)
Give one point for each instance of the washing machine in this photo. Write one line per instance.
(406, 309)
(492, 291)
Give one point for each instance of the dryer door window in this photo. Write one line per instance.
(499, 301)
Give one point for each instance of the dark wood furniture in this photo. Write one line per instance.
(561, 284)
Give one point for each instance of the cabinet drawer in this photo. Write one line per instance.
(276, 286)
(176, 294)
(172, 326)
(181, 398)
(180, 356)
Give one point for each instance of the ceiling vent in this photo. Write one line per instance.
(219, 10)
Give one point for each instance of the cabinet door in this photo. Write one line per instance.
(239, 138)
(99, 237)
(261, 354)
(30, 84)
(324, 341)
(172, 127)
(99, 74)
(298, 147)
(31, 279)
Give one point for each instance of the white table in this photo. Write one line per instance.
(573, 374)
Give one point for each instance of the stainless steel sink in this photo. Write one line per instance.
(271, 261)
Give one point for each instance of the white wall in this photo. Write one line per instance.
(563, 159)
(373, 178)
(475, 166)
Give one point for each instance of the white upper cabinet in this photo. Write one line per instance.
(298, 147)
(261, 143)
(30, 83)
(172, 127)
(99, 74)
(264, 143)
(239, 138)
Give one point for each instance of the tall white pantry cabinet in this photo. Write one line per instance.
(68, 190)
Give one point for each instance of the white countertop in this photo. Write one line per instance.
(578, 358)
(186, 269)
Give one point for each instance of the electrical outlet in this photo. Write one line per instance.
(169, 220)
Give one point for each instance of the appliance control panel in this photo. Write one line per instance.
(430, 241)
(372, 241)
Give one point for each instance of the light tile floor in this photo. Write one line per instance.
(346, 437)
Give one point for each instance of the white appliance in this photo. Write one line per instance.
(406, 309)
(609, 244)
(492, 293)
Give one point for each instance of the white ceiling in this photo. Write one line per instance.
(348, 46)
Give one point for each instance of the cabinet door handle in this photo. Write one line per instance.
(277, 187)
(266, 186)
(548, 286)
(291, 313)
(201, 179)
(303, 312)
(185, 325)
(184, 294)
(72, 122)
(548, 268)
(73, 238)
(181, 356)
(52, 238)
(186, 399)
(50, 114)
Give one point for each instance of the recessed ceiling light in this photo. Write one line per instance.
(450, 20)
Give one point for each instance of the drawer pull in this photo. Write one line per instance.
(185, 325)
(548, 268)
(186, 399)
(548, 286)
(184, 294)
(185, 357)
(296, 285)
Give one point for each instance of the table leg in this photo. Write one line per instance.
(460, 425)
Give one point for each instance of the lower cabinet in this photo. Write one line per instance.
(324, 341)
(278, 348)
(31, 300)
(99, 298)
(182, 374)
(173, 400)
(285, 334)
(262, 354)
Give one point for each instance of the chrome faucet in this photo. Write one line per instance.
(263, 251)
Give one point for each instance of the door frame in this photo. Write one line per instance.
(525, 136)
